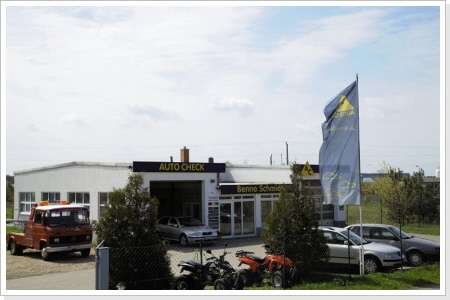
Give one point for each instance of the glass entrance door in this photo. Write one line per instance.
(237, 217)
(225, 218)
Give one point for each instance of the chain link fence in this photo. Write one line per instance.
(238, 264)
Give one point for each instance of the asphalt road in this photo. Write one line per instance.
(76, 280)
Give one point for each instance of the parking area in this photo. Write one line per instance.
(23, 270)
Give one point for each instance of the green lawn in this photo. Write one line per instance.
(372, 212)
(400, 280)
(9, 210)
(10, 229)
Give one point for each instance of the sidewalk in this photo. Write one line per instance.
(76, 280)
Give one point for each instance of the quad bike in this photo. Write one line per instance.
(228, 279)
(278, 268)
(214, 271)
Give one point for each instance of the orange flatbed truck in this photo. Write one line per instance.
(54, 228)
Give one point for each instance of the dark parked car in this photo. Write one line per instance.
(417, 250)
(377, 257)
(185, 230)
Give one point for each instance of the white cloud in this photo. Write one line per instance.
(75, 120)
(152, 112)
(176, 74)
(242, 106)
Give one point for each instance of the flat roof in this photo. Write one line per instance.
(75, 163)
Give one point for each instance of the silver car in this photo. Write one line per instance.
(344, 244)
(185, 230)
(417, 250)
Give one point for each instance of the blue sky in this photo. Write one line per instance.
(121, 84)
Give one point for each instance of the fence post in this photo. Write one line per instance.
(101, 267)
(201, 262)
(284, 261)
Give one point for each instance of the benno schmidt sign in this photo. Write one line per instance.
(251, 188)
(191, 167)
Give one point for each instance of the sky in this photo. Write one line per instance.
(124, 82)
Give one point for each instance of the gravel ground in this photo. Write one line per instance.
(30, 263)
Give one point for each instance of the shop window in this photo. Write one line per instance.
(27, 200)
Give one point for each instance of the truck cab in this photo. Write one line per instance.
(54, 228)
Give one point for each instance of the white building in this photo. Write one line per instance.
(235, 199)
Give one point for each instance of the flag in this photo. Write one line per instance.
(339, 154)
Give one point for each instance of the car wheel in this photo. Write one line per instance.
(371, 265)
(183, 240)
(415, 258)
(15, 249)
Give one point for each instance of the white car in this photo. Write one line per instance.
(185, 230)
(377, 257)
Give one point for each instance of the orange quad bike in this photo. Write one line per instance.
(275, 266)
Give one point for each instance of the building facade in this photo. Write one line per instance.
(235, 199)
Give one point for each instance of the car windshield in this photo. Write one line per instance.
(190, 221)
(397, 231)
(356, 239)
(67, 217)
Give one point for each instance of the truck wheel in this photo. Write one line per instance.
(85, 252)
(15, 249)
(44, 253)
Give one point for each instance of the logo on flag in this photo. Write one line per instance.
(344, 108)
(339, 153)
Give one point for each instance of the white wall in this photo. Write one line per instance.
(72, 177)
(102, 177)
(256, 174)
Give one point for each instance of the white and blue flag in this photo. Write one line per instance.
(339, 154)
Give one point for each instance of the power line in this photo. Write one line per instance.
(205, 145)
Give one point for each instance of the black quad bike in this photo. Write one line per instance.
(214, 271)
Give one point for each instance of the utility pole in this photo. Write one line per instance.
(287, 154)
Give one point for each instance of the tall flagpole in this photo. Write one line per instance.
(361, 251)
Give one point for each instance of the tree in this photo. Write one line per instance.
(9, 192)
(293, 224)
(407, 198)
(138, 258)
(423, 200)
